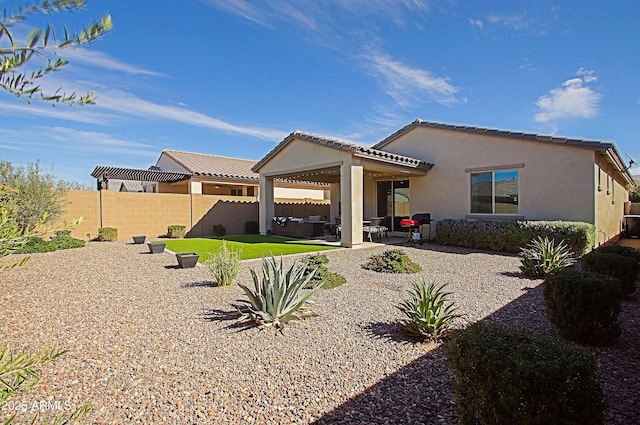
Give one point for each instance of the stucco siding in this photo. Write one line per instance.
(168, 164)
(610, 196)
(302, 155)
(554, 180)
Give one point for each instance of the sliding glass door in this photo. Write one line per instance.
(393, 202)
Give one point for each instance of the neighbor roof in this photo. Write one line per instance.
(605, 147)
(357, 150)
(200, 164)
(117, 173)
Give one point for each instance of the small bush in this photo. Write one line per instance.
(107, 234)
(511, 235)
(504, 376)
(251, 227)
(322, 276)
(623, 268)
(625, 251)
(35, 244)
(219, 230)
(583, 306)
(224, 265)
(542, 257)
(429, 314)
(63, 240)
(392, 261)
(176, 231)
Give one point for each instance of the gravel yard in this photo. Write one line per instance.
(152, 344)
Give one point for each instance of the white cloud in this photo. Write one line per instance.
(129, 104)
(68, 141)
(318, 15)
(114, 105)
(573, 99)
(514, 22)
(408, 85)
(102, 60)
(476, 23)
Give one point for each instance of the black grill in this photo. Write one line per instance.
(422, 218)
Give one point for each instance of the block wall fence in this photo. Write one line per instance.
(150, 213)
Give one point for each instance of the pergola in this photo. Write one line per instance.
(104, 174)
(344, 166)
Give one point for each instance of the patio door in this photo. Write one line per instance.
(393, 202)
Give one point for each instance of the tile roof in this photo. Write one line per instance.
(200, 164)
(357, 150)
(590, 144)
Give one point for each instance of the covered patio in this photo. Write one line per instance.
(354, 173)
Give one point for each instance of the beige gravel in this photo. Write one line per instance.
(150, 343)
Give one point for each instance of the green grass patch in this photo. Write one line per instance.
(252, 246)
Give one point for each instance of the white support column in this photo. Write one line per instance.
(195, 187)
(266, 205)
(351, 186)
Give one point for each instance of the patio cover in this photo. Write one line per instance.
(305, 156)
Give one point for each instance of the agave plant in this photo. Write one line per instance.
(429, 314)
(542, 257)
(279, 296)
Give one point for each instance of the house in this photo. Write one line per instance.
(454, 172)
(197, 173)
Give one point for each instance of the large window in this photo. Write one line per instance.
(495, 192)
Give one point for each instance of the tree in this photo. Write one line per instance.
(42, 43)
(634, 194)
(36, 193)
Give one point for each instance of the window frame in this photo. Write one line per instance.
(493, 170)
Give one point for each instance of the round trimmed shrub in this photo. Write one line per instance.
(621, 267)
(583, 306)
(625, 251)
(505, 376)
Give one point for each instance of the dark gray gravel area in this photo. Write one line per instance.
(153, 344)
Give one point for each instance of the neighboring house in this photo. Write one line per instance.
(455, 172)
(197, 173)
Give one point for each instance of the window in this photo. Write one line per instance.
(236, 192)
(495, 192)
(250, 191)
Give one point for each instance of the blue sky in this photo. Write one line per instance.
(234, 78)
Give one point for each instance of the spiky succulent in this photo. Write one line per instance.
(429, 314)
(278, 296)
(542, 257)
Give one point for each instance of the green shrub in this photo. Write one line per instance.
(176, 231)
(322, 276)
(512, 235)
(625, 251)
(251, 227)
(279, 297)
(542, 257)
(107, 234)
(583, 306)
(224, 265)
(623, 268)
(36, 244)
(505, 376)
(63, 240)
(392, 261)
(219, 230)
(429, 314)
